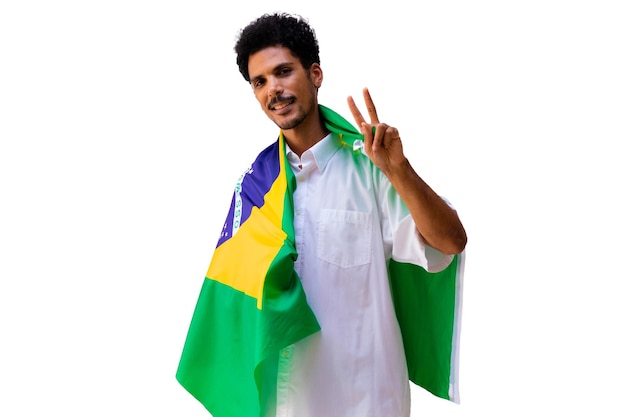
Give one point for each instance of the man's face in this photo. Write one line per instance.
(286, 92)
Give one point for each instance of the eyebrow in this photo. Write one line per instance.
(276, 68)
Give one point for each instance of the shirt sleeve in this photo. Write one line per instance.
(403, 243)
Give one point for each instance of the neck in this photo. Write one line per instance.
(306, 134)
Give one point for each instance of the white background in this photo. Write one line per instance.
(118, 119)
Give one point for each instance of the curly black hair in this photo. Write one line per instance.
(278, 29)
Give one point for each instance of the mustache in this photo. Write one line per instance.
(278, 99)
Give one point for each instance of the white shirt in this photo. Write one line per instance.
(348, 222)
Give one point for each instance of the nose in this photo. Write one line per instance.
(275, 88)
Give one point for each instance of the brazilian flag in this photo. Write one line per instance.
(252, 304)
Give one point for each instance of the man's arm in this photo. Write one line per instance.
(436, 221)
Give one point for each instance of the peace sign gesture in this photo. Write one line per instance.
(382, 142)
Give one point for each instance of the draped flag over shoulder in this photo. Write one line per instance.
(428, 306)
(252, 304)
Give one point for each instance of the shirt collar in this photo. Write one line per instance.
(319, 154)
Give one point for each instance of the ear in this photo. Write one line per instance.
(317, 75)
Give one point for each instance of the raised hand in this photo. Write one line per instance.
(438, 224)
(382, 142)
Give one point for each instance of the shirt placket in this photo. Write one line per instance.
(299, 199)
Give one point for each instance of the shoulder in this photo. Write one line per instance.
(268, 156)
(269, 151)
(264, 169)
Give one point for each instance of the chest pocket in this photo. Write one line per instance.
(345, 237)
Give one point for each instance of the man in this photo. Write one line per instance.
(356, 206)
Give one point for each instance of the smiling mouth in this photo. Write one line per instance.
(280, 104)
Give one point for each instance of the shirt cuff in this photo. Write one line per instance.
(409, 247)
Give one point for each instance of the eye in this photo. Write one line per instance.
(284, 71)
(257, 83)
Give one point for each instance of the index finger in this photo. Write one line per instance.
(371, 109)
(358, 117)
